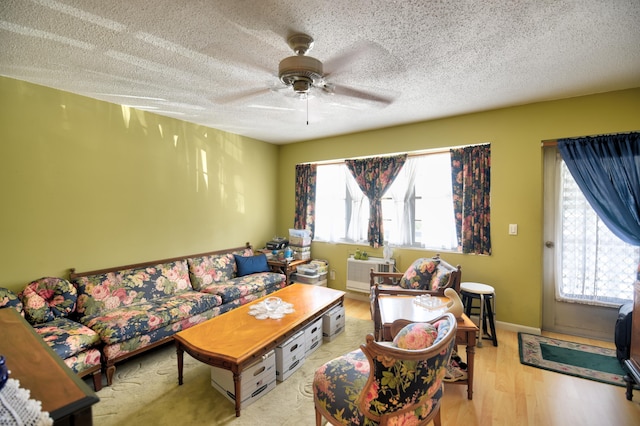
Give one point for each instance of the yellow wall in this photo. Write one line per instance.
(515, 134)
(89, 184)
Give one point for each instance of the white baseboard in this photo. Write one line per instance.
(517, 328)
(511, 327)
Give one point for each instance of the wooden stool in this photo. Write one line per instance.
(470, 291)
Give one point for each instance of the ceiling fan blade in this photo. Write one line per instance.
(360, 51)
(354, 93)
(241, 96)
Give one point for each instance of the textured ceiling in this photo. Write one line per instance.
(215, 62)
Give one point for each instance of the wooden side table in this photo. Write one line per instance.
(286, 267)
(31, 361)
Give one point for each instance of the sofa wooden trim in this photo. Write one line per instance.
(73, 274)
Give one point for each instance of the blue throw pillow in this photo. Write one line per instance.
(248, 265)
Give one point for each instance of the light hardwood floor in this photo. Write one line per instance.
(509, 393)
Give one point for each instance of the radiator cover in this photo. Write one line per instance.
(358, 272)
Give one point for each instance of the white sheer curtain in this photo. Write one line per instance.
(434, 208)
(359, 217)
(330, 203)
(402, 215)
(594, 266)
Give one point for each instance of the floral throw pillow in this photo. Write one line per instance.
(440, 278)
(419, 335)
(9, 299)
(48, 298)
(418, 275)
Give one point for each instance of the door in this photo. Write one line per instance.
(588, 320)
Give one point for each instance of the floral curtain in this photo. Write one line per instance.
(607, 170)
(471, 180)
(374, 176)
(305, 197)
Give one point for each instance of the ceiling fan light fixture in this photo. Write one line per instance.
(301, 86)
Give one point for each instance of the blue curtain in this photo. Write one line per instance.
(607, 170)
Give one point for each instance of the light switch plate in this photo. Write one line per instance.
(513, 229)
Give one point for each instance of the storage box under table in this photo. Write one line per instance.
(257, 380)
(333, 323)
(313, 336)
(290, 356)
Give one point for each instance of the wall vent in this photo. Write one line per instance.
(358, 272)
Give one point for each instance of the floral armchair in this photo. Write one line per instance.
(430, 275)
(388, 383)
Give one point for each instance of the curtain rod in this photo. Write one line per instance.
(410, 154)
(554, 142)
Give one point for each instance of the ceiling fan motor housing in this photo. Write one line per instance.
(301, 72)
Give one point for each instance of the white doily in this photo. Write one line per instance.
(16, 409)
(260, 311)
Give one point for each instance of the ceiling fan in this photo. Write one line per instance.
(305, 75)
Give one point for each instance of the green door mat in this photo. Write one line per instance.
(575, 359)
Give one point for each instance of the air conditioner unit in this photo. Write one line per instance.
(358, 272)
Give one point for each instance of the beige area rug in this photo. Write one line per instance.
(145, 390)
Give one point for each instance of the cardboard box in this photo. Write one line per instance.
(257, 380)
(333, 323)
(313, 336)
(299, 237)
(302, 256)
(290, 356)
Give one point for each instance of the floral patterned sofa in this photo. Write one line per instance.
(122, 311)
(138, 307)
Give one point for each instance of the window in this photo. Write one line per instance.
(594, 266)
(417, 209)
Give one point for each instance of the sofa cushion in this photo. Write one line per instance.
(10, 299)
(125, 322)
(244, 286)
(105, 292)
(206, 270)
(414, 336)
(418, 275)
(83, 360)
(67, 337)
(48, 298)
(119, 349)
(248, 265)
(214, 268)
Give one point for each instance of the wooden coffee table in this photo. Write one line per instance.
(402, 307)
(236, 339)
